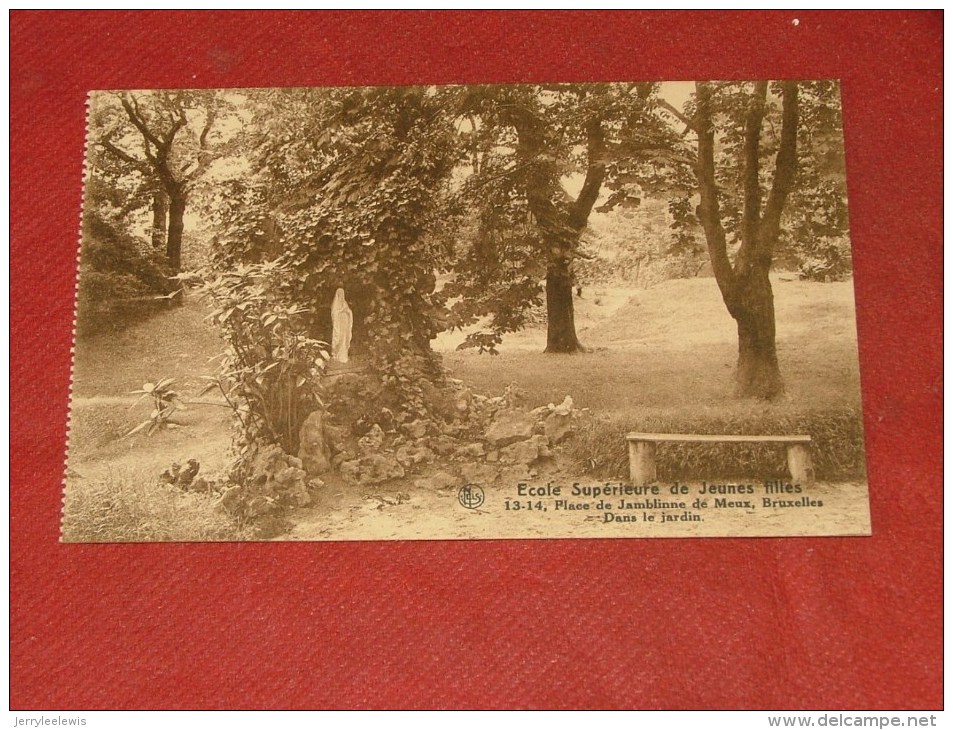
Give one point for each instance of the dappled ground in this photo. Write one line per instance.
(668, 350)
(675, 344)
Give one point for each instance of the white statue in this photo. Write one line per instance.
(342, 319)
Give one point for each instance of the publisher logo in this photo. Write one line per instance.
(471, 496)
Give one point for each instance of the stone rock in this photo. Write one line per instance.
(409, 455)
(201, 485)
(300, 498)
(463, 399)
(377, 468)
(386, 420)
(525, 452)
(273, 479)
(372, 441)
(440, 400)
(313, 449)
(416, 429)
(514, 396)
(335, 437)
(231, 499)
(443, 445)
(339, 458)
(557, 426)
(492, 457)
(372, 469)
(510, 426)
(179, 476)
(474, 450)
(291, 486)
(564, 408)
(259, 505)
(350, 470)
(478, 473)
(437, 481)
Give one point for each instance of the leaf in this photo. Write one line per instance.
(138, 400)
(208, 389)
(138, 428)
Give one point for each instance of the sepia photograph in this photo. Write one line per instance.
(584, 310)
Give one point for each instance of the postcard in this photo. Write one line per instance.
(587, 310)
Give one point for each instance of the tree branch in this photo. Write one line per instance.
(751, 214)
(785, 168)
(138, 121)
(107, 144)
(205, 159)
(708, 212)
(595, 174)
(692, 125)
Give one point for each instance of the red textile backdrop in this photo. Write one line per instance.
(688, 623)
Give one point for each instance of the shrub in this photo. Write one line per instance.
(271, 373)
(119, 276)
(837, 445)
(826, 259)
(135, 508)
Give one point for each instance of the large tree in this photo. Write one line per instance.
(732, 116)
(527, 144)
(165, 138)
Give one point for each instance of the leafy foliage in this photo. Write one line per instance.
(165, 402)
(348, 190)
(637, 247)
(814, 227)
(119, 273)
(528, 147)
(157, 145)
(270, 376)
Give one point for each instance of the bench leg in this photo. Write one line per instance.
(800, 464)
(641, 462)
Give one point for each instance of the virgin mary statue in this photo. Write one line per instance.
(342, 320)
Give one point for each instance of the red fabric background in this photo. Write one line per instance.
(753, 623)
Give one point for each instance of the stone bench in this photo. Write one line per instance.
(642, 452)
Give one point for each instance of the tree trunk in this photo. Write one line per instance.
(561, 320)
(160, 210)
(173, 246)
(758, 373)
(560, 225)
(744, 284)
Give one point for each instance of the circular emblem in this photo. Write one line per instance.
(471, 496)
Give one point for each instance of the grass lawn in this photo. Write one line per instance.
(674, 346)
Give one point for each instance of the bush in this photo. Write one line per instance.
(119, 277)
(271, 374)
(837, 445)
(135, 508)
(827, 259)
